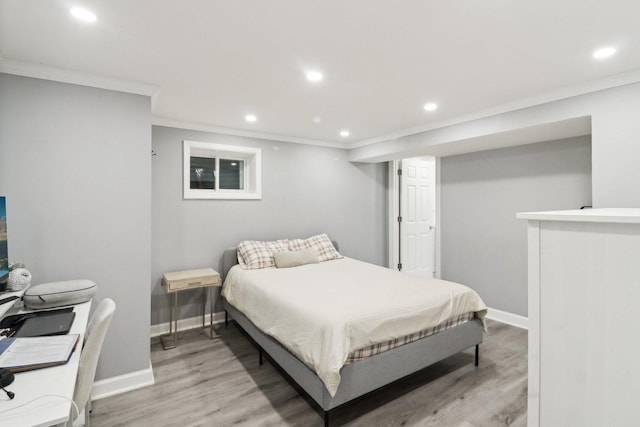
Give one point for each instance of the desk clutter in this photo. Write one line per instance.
(40, 338)
(36, 340)
(19, 278)
(69, 368)
(27, 354)
(38, 323)
(58, 294)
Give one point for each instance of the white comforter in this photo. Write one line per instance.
(322, 312)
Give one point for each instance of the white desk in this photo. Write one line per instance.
(39, 384)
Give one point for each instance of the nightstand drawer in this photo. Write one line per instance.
(180, 280)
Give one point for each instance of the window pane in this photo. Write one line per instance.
(203, 170)
(231, 174)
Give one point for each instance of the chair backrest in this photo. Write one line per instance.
(94, 337)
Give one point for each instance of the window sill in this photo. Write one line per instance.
(220, 195)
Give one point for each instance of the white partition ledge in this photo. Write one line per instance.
(618, 215)
(583, 324)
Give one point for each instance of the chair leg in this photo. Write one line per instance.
(477, 354)
(87, 413)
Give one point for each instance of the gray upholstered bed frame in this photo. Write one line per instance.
(364, 376)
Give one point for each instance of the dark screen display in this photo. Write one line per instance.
(4, 254)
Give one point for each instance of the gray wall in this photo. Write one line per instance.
(483, 245)
(305, 190)
(75, 166)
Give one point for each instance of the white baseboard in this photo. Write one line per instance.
(188, 323)
(508, 318)
(122, 383)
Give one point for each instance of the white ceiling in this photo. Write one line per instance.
(217, 60)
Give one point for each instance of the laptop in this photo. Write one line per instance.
(50, 324)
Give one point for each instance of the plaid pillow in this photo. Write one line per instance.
(253, 254)
(321, 243)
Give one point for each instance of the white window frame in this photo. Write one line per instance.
(251, 156)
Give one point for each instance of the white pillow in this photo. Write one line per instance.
(321, 243)
(295, 258)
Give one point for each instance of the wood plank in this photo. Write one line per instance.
(219, 382)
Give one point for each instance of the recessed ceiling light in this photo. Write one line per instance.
(250, 118)
(430, 106)
(344, 133)
(604, 52)
(317, 119)
(83, 14)
(314, 76)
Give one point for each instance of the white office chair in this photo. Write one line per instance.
(94, 337)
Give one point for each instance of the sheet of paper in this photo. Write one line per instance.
(38, 350)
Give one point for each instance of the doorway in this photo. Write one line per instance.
(413, 215)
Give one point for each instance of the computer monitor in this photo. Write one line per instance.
(4, 253)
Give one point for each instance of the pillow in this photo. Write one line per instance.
(57, 294)
(295, 258)
(321, 243)
(253, 254)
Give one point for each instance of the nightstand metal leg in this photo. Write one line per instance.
(175, 319)
(173, 326)
(204, 305)
(212, 331)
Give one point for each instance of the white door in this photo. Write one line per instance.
(417, 209)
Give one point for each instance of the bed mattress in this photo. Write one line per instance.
(324, 312)
(381, 347)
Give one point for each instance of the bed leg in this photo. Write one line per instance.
(326, 418)
(226, 319)
(260, 356)
(477, 354)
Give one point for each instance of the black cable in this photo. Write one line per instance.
(9, 393)
(6, 378)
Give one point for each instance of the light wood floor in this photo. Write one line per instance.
(206, 382)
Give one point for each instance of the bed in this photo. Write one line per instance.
(336, 354)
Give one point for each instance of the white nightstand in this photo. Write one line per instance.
(177, 281)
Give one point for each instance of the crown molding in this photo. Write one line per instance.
(203, 127)
(46, 72)
(608, 82)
